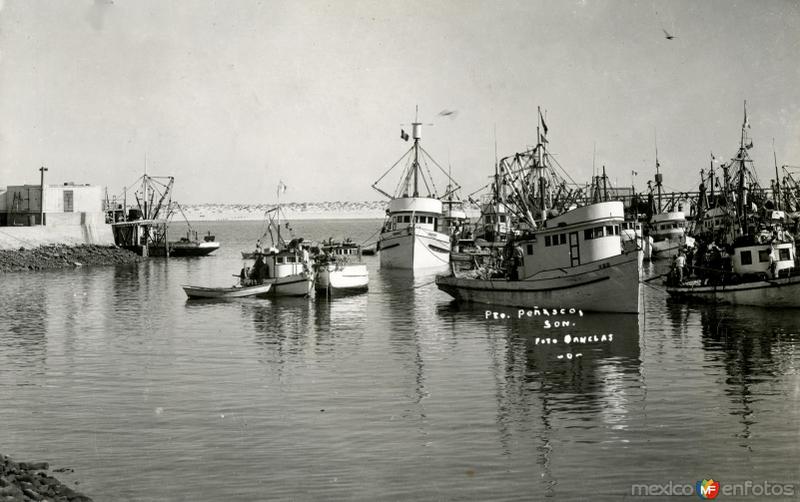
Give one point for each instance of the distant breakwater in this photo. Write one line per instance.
(27, 481)
(61, 256)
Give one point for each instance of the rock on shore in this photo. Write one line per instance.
(60, 256)
(27, 481)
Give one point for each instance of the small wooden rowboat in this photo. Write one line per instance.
(232, 292)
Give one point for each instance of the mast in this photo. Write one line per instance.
(416, 129)
(658, 173)
(777, 191)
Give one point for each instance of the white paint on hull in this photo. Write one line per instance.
(778, 293)
(351, 277)
(608, 285)
(414, 248)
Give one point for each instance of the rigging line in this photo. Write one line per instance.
(394, 165)
(425, 162)
(454, 182)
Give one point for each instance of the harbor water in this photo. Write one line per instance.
(395, 394)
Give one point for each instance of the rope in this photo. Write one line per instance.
(370, 237)
(404, 289)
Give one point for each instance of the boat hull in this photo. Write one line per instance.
(178, 249)
(353, 278)
(777, 293)
(663, 248)
(608, 285)
(224, 293)
(292, 285)
(414, 248)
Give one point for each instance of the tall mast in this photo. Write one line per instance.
(777, 191)
(416, 129)
(658, 173)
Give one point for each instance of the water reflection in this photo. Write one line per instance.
(586, 386)
(23, 314)
(755, 347)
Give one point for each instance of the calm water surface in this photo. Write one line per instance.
(397, 394)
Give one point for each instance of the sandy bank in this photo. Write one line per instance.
(24, 481)
(61, 256)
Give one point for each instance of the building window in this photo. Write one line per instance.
(547, 241)
(783, 255)
(563, 238)
(763, 255)
(68, 201)
(747, 258)
(530, 248)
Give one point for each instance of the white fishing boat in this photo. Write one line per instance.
(763, 274)
(288, 267)
(340, 269)
(289, 271)
(668, 231)
(569, 257)
(743, 219)
(187, 246)
(237, 291)
(413, 235)
(576, 260)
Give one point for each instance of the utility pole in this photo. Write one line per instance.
(41, 196)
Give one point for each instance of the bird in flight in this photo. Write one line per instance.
(447, 113)
(667, 34)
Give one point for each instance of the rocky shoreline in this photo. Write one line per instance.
(62, 256)
(27, 481)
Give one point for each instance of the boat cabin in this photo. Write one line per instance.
(407, 212)
(274, 265)
(576, 237)
(667, 225)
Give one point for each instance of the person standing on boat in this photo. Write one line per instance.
(259, 250)
(680, 263)
(773, 260)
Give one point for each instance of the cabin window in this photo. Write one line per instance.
(609, 230)
(763, 255)
(588, 234)
(530, 248)
(563, 238)
(746, 257)
(279, 260)
(547, 241)
(783, 255)
(502, 218)
(616, 229)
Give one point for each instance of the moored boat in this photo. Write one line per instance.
(564, 256)
(237, 291)
(193, 247)
(576, 261)
(751, 258)
(339, 269)
(413, 235)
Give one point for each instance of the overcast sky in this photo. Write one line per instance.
(232, 96)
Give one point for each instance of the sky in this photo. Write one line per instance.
(231, 97)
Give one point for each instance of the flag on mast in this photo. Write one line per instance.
(541, 118)
(281, 188)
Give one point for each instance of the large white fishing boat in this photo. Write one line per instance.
(413, 235)
(575, 260)
(760, 269)
(571, 257)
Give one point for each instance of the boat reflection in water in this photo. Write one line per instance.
(291, 327)
(755, 347)
(566, 399)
